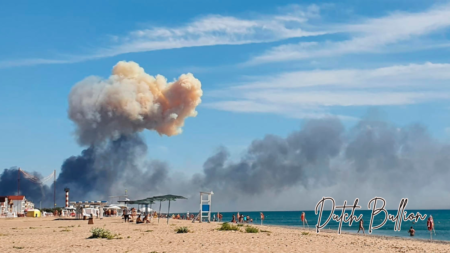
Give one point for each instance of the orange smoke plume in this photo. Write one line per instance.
(130, 101)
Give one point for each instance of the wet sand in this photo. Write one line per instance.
(50, 235)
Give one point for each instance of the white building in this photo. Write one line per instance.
(3, 205)
(16, 204)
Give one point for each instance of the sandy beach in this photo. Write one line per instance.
(50, 235)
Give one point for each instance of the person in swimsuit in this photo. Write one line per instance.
(138, 220)
(411, 231)
(361, 227)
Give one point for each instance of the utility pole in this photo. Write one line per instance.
(54, 188)
(18, 182)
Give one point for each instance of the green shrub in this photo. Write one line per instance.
(251, 230)
(227, 227)
(240, 225)
(103, 233)
(305, 233)
(181, 230)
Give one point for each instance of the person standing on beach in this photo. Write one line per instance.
(233, 219)
(361, 226)
(303, 219)
(262, 218)
(411, 231)
(125, 215)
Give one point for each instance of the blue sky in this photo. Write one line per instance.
(265, 67)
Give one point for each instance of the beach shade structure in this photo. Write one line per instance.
(168, 197)
(145, 202)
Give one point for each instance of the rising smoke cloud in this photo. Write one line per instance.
(130, 101)
(374, 158)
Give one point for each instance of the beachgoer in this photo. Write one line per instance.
(411, 231)
(125, 215)
(361, 227)
(220, 217)
(233, 219)
(303, 219)
(146, 220)
(244, 218)
(430, 225)
(262, 218)
(138, 220)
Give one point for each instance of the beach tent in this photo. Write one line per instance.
(33, 213)
(168, 197)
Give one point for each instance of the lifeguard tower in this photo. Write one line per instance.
(205, 205)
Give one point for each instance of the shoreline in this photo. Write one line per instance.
(329, 230)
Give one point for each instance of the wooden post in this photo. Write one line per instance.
(168, 211)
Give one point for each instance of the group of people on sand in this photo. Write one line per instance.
(128, 216)
(240, 218)
(218, 218)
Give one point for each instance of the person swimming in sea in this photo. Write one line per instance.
(411, 231)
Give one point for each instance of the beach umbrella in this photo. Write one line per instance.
(168, 197)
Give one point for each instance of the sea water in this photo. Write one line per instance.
(292, 218)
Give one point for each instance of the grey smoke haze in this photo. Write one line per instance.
(374, 158)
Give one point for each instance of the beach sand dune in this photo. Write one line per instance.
(50, 235)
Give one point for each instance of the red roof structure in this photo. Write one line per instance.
(20, 197)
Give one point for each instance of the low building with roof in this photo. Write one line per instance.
(15, 204)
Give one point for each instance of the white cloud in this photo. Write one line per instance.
(218, 30)
(302, 94)
(206, 31)
(412, 75)
(369, 36)
(285, 109)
